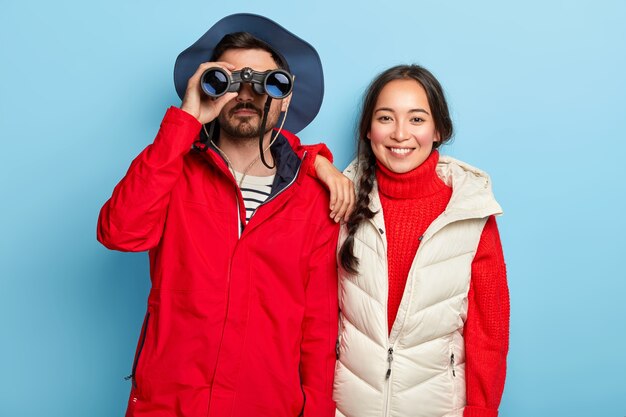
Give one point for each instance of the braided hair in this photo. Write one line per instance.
(366, 165)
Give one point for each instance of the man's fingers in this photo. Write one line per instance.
(206, 65)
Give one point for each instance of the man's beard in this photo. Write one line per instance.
(244, 127)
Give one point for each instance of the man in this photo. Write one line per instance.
(242, 313)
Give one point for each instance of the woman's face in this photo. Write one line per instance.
(402, 131)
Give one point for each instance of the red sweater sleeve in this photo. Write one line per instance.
(134, 216)
(487, 327)
(314, 150)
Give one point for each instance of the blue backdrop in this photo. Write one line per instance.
(537, 91)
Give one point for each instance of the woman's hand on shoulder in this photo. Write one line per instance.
(342, 197)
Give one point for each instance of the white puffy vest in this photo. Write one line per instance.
(417, 370)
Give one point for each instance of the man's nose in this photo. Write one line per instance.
(246, 93)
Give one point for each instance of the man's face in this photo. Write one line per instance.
(241, 117)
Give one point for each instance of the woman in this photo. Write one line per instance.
(424, 301)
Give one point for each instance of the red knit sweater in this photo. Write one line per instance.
(411, 202)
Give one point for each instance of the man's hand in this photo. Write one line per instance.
(341, 189)
(204, 108)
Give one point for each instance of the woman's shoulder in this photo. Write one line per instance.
(351, 170)
(450, 165)
(452, 170)
(471, 186)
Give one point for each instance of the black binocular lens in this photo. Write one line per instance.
(216, 82)
(277, 84)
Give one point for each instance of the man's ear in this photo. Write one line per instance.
(285, 104)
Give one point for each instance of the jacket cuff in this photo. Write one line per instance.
(181, 116)
(473, 411)
(178, 131)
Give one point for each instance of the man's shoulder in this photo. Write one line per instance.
(313, 197)
(312, 188)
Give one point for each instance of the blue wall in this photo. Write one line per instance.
(537, 91)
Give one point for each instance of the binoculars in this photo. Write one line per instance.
(216, 82)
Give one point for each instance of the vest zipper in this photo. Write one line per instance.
(389, 360)
(452, 364)
(339, 334)
(387, 390)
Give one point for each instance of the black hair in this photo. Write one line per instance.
(245, 40)
(366, 168)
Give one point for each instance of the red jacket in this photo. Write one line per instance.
(236, 325)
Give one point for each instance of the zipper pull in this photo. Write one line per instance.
(131, 376)
(389, 359)
(452, 364)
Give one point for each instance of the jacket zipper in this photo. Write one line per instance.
(295, 177)
(136, 361)
(240, 224)
(388, 376)
(338, 341)
(303, 397)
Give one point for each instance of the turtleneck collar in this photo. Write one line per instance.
(420, 182)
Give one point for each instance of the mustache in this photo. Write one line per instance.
(246, 106)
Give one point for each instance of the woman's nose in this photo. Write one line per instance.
(400, 132)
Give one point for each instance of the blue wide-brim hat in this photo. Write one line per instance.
(303, 60)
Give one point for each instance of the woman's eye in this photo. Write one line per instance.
(384, 118)
(417, 120)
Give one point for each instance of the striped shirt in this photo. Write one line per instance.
(254, 191)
